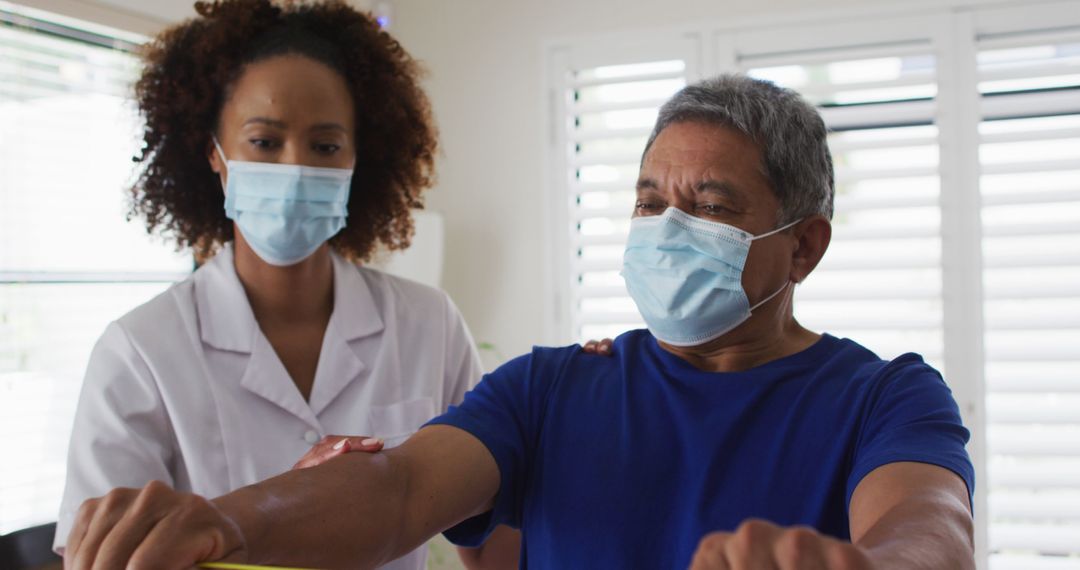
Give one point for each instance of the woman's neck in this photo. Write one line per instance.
(300, 293)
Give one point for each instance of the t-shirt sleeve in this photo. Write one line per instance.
(503, 412)
(913, 418)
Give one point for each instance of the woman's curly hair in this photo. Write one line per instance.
(188, 72)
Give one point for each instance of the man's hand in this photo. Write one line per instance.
(332, 446)
(150, 528)
(760, 545)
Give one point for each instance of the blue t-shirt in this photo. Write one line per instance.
(628, 461)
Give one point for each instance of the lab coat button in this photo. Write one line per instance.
(311, 437)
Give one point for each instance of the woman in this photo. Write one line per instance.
(281, 145)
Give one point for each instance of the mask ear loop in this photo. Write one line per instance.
(218, 147)
(777, 230)
(770, 297)
(785, 286)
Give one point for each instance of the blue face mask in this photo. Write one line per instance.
(685, 275)
(285, 211)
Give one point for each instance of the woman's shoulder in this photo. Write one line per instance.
(164, 314)
(404, 295)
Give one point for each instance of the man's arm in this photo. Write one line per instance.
(913, 515)
(501, 551)
(358, 510)
(903, 515)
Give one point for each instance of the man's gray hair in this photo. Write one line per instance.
(789, 130)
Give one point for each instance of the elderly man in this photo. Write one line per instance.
(724, 436)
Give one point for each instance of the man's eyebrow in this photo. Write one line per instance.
(647, 184)
(266, 121)
(720, 188)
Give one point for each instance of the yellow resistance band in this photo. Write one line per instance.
(230, 566)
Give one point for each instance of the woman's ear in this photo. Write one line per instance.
(217, 163)
(813, 236)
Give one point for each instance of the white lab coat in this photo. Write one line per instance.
(187, 390)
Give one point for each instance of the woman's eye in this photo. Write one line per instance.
(262, 144)
(326, 148)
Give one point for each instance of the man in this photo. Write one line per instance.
(724, 436)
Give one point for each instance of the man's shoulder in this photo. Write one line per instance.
(860, 366)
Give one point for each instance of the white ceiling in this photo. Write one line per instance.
(165, 11)
(173, 11)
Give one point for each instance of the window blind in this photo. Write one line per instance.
(70, 262)
(1029, 155)
(609, 113)
(880, 282)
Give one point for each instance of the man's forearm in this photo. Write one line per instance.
(360, 510)
(906, 538)
(347, 513)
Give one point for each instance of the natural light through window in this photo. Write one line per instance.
(67, 128)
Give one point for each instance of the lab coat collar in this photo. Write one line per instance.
(226, 321)
(355, 313)
(355, 316)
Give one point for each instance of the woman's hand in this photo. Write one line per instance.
(332, 446)
(601, 347)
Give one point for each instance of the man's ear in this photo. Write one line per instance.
(812, 239)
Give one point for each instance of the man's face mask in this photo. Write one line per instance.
(685, 275)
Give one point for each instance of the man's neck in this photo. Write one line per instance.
(299, 293)
(765, 337)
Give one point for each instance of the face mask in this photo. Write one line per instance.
(285, 211)
(685, 275)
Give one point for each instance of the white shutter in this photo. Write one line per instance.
(69, 262)
(880, 282)
(1029, 150)
(608, 105)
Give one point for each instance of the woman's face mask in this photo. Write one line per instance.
(285, 211)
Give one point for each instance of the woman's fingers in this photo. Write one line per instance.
(332, 446)
(601, 347)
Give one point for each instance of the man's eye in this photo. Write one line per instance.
(646, 206)
(713, 209)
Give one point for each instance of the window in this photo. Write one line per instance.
(1029, 156)
(613, 109)
(881, 282)
(608, 112)
(69, 262)
(955, 135)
